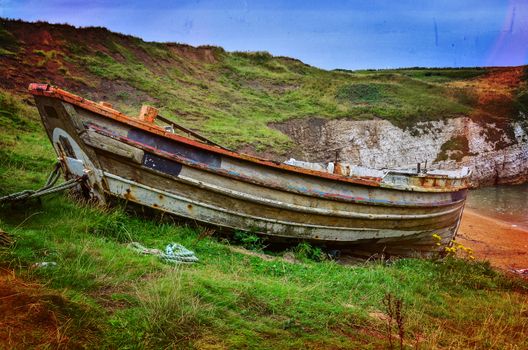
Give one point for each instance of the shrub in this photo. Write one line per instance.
(248, 240)
(305, 251)
(361, 92)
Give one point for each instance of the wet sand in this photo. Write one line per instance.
(500, 242)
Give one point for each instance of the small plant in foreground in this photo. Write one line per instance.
(454, 248)
(171, 313)
(459, 248)
(394, 307)
(305, 251)
(248, 240)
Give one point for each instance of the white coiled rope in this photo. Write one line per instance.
(174, 253)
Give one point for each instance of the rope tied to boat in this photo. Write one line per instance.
(174, 253)
(47, 189)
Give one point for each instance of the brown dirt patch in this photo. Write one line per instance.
(33, 317)
(199, 54)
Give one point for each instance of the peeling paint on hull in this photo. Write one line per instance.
(140, 162)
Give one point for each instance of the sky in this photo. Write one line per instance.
(327, 34)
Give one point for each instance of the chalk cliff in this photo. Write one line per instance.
(496, 155)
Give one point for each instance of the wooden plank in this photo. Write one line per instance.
(148, 114)
(112, 146)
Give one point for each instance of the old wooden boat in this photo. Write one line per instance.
(391, 211)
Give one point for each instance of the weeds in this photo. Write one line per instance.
(113, 225)
(238, 300)
(394, 309)
(453, 248)
(455, 148)
(9, 44)
(14, 114)
(305, 251)
(361, 92)
(248, 240)
(171, 312)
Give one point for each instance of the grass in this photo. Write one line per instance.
(112, 297)
(47, 56)
(8, 43)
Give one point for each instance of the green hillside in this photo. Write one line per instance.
(232, 96)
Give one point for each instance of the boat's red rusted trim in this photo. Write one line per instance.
(51, 91)
(242, 177)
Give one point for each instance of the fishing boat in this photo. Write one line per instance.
(394, 211)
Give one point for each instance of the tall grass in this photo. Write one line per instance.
(173, 314)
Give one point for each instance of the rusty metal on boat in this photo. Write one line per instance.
(367, 210)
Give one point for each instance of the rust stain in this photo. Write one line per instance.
(129, 196)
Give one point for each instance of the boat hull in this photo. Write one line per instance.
(126, 160)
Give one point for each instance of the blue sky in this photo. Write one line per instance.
(327, 34)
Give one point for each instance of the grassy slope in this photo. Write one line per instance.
(232, 97)
(112, 297)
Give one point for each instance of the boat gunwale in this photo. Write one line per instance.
(55, 92)
(238, 177)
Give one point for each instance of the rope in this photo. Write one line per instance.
(48, 188)
(5, 238)
(174, 253)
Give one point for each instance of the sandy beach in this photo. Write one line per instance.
(500, 242)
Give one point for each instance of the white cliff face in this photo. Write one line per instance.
(494, 155)
(497, 162)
